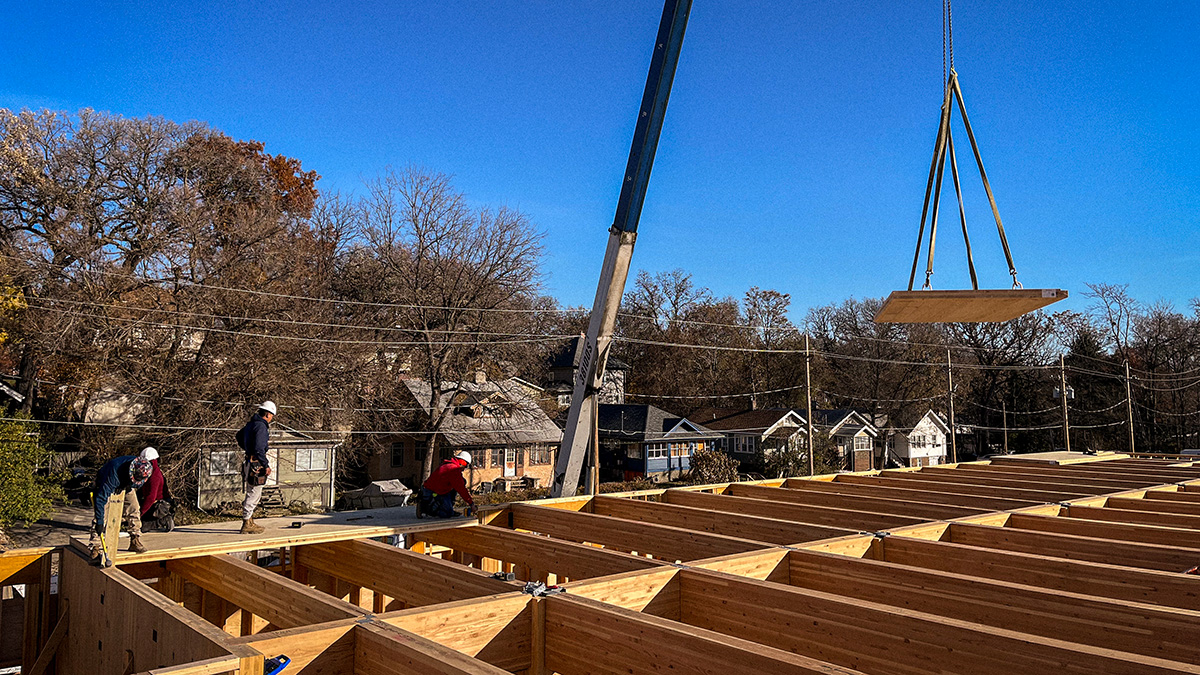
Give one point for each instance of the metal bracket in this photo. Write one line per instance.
(539, 590)
(504, 576)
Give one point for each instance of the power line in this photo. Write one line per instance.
(307, 432)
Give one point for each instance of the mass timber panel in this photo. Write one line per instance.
(411, 578)
(882, 639)
(757, 528)
(314, 650)
(1140, 629)
(917, 483)
(879, 490)
(383, 650)
(495, 630)
(966, 478)
(1153, 505)
(583, 636)
(840, 501)
(1148, 534)
(1074, 576)
(1007, 471)
(655, 592)
(541, 555)
(1129, 516)
(662, 542)
(819, 515)
(988, 305)
(277, 599)
(119, 625)
(1072, 547)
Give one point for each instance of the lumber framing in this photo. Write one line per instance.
(972, 568)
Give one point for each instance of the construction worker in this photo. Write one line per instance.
(253, 441)
(120, 474)
(158, 508)
(437, 493)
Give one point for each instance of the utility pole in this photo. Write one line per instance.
(1062, 392)
(594, 474)
(812, 465)
(950, 390)
(1129, 406)
(1004, 423)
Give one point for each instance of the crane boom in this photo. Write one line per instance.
(594, 348)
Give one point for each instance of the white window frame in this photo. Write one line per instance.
(308, 455)
(225, 462)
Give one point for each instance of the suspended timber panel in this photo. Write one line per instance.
(965, 306)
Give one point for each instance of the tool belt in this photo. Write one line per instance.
(253, 472)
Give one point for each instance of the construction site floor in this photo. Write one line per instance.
(191, 540)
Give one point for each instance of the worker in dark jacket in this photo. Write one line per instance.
(121, 474)
(253, 441)
(437, 493)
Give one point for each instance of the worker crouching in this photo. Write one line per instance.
(121, 474)
(438, 491)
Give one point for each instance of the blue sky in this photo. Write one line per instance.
(795, 149)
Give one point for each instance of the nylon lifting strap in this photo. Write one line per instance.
(943, 148)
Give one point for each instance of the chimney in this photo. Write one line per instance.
(480, 376)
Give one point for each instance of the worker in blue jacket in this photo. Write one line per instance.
(252, 439)
(121, 474)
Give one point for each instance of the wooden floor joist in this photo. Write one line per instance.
(971, 568)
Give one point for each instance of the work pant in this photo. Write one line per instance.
(131, 514)
(253, 494)
(441, 506)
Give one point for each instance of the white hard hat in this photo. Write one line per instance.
(149, 454)
(269, 406)
(463, 455)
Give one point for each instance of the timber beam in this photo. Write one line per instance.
(802, 513)
(913, 494)
(879, 505)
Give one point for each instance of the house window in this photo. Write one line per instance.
(419, 448)
(862, 443)
(743, 445)
(539, 455)
(633, 451)
(311, 459)
(225, 462)
(497, 457)
(520, 456)
(398, 454)
(656, 450)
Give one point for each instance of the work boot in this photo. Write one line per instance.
(248, 527)
(97, 554)
(136, 545)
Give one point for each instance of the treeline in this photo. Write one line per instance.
(689, 349)
(177, 276)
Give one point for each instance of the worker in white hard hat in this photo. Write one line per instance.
(252, 439)
(158, 506)
(437, 493)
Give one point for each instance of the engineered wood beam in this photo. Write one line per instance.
(962, 488)
(758, 528)
(21, 566)
(562, 558)
(817, 515)
(968, 478)
(326, 649)
(1129, 516)
(841, 501)
(650, 592)
(913, 495)
(384, 650)
(584, 636)
(1136, 628)
(663, 542)
(1173, 496)
(1124, 482)
(1148, 534)
(884, 639)
(1074, 547)
(283, 602)
(496, 630)
(769, 565)
(1074, 576)
(1153, 505)
(412, 578)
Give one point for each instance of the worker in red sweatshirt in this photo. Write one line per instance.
(437, 493)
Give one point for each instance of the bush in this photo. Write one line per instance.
(25, 496)
(712, 466)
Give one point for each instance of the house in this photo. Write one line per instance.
(562, 376)
(643, 441)
(922, 442)
(852, 434)
(302, 470)
(750, 436)
(499, 422)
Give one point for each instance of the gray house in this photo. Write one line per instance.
(302, 470)
(642, 441)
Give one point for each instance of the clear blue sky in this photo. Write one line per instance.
(795, 149)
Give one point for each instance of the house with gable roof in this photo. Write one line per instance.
(644, 441)
(919, 440)
(853, 435)
(750, 436)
